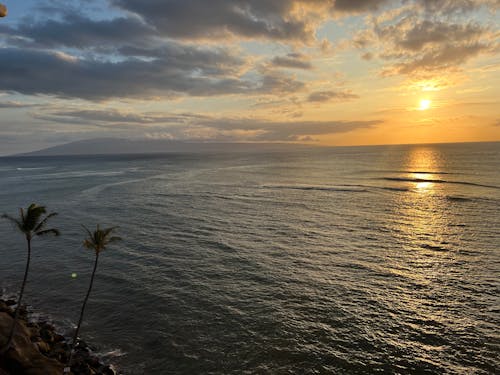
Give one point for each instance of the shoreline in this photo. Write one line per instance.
(37, 348)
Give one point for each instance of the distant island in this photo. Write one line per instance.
(109, 146)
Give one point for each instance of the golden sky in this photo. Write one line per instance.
(344, 72)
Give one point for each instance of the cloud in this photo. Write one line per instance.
(424, 33)
(293, 61)
(143, 23)
(12, 104)
(291, 131)
(445, 58)
(77, 31)
(455, 6)
(280, 20)
(111, 116)
(260, 130)
(359, 5)
(153, 48)
(418, 46)
(191, 126)
(326, 96)
(200, 19)
(185, 70)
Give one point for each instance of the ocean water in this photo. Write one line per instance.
(357, 260)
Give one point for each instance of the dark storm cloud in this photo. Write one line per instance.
(193, 71)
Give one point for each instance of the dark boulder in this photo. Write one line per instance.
(23, 357)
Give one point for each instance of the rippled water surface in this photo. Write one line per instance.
(347, 260)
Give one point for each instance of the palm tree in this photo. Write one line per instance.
(96, 241)
(31, 223)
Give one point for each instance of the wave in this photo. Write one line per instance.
(99, 188)
(408, 172)
(391, 188)
(339, 188)
(32, 168)
(433, 247)
(438, 181)
(458, 199)
(114, 353)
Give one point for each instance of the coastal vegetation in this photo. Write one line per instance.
(31, 223)
(34, 347)
(96, 241)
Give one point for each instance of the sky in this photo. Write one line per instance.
(325, 72)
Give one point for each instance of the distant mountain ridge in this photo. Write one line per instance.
(110, 146)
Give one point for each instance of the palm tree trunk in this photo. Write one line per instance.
(18, 307)
(75, 337)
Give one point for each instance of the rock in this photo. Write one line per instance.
(43, 346)
(23, 312)
(23, 357)
(34, 332)
(38, 350)
(4, 307)
(59, 338)
(47, 335)
(81, 368)
(108, 370)
(61, 355)
(94, 362)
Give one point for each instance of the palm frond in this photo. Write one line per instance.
(53, 231)
(87, 230)
(14, 221)
(114, 239)
(89, 244)
(33, 215)
(44, 221)
(107, 231)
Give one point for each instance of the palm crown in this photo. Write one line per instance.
(99, 239)
(31, 222)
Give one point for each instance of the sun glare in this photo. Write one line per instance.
(424, 104)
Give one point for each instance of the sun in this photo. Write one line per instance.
(424, 104)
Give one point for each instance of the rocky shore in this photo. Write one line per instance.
(37, 349)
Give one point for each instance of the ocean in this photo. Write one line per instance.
(348, 260)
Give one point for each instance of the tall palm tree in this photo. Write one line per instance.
(31, 223)
(96, 241)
